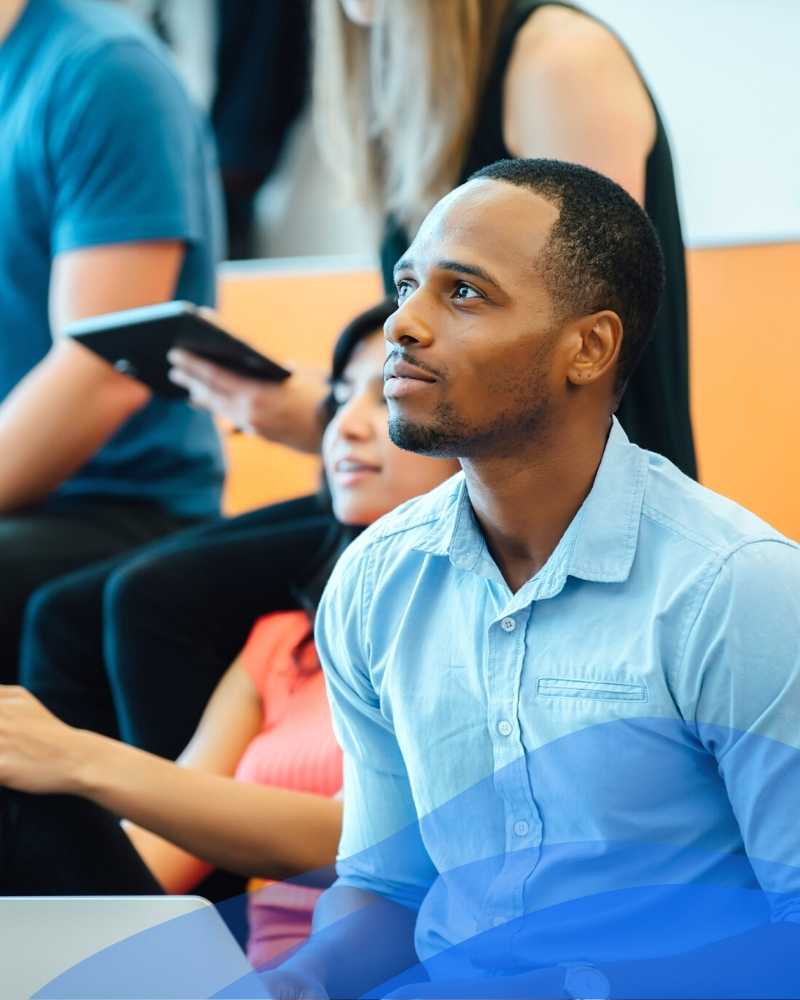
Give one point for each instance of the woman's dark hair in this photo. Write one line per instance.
(357, 330)
(308, 589)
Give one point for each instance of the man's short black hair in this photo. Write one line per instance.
(603, 252)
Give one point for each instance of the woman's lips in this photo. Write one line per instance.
(348, 471)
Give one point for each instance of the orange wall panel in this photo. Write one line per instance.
(291, 315)
(744, 303)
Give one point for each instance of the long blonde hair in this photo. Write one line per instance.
(395, 103)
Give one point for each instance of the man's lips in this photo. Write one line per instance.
(397, 368)
(401, 378)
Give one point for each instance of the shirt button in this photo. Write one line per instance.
(505, 728)
(521, 827)
(586, 981)
(508, 624)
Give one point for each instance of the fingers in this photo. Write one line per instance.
(189, 367)
(199, 392)
(209, 386)
(18, 703)
(11, 693)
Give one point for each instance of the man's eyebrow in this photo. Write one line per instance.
(462, 268)
(405, 263)
(451, 265)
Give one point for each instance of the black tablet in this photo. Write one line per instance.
(136, 341)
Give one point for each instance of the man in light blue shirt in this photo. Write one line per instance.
(567, 682)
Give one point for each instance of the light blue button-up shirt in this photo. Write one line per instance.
(605, 761)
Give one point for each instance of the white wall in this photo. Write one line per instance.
(726, 75)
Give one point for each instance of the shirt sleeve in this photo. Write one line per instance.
(741, 671)
(128, 156)
(381, 849)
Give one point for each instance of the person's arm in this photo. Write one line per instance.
(363, 931)
(364, 924)
(360, 942)
(72, 402)
(251, 829)
(129, 197)
(739, 683)
(288, 412)
(572, 93)
(229, 722)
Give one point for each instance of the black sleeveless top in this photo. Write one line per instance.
(655, 408)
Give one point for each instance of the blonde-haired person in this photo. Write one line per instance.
(254, 790)
(411, 97)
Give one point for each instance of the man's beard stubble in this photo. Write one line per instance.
(526, 418)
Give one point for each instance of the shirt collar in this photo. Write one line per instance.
(602, 536)
(605, 545)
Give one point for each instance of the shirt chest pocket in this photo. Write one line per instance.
(585, 689)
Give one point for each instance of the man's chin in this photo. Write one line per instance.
(422, 439)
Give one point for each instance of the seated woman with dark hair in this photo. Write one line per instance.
(254, 791)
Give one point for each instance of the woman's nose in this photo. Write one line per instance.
(352, 421)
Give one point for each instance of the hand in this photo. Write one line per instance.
(292, 985)
(38, 752)
(287, 412)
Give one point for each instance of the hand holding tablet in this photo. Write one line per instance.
(136, 342)
(181, 352)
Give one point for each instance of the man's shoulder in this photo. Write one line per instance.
(711, 524)
(411, 523)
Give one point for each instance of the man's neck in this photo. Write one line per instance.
(524, 503)
(10, 13)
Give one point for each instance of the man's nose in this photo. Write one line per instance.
(410, 323)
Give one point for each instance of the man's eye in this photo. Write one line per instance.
(464, 291)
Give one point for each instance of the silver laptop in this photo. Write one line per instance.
(143, 947)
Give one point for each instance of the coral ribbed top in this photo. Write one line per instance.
(295, 749)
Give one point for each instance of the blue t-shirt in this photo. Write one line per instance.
(101, 145)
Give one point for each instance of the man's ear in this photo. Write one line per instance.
(597, 339)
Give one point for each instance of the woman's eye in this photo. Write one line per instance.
(403, 290)
(464, 291)
(340, 393)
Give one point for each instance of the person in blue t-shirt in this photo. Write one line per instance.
(108, 200)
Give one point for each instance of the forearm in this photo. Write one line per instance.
(176, 869)
(250, 829)
(56, 419)
(360, 940)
